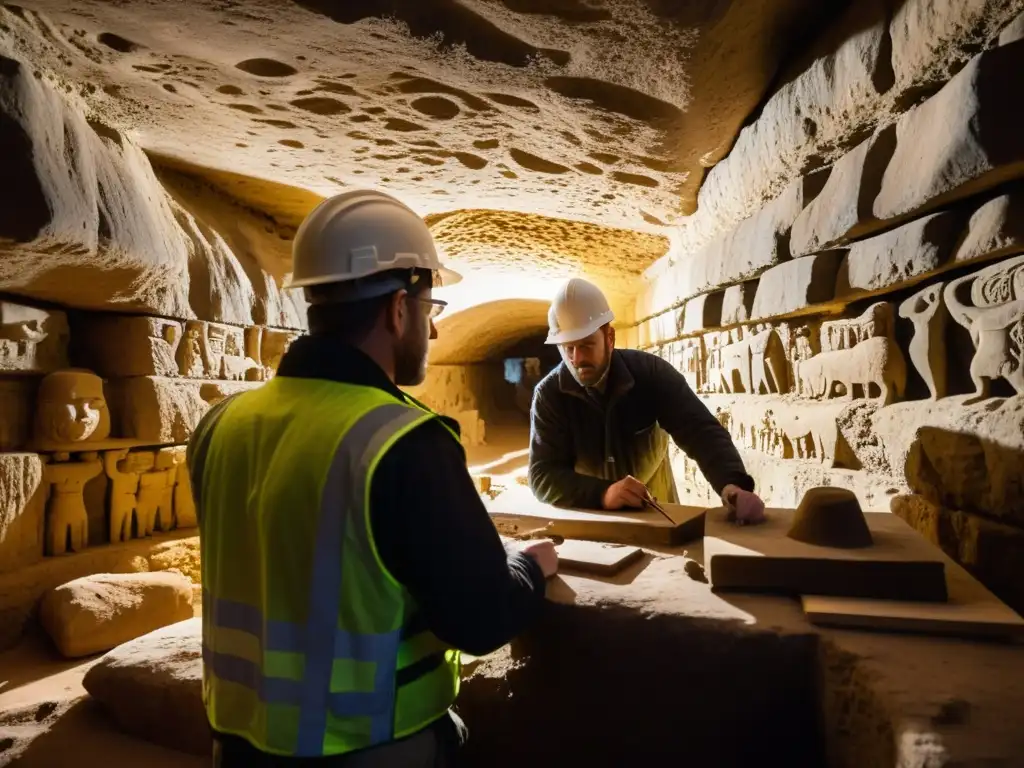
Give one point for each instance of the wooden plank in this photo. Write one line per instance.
(900, 565)
(517, 507)
(972, 611)
(596, 557)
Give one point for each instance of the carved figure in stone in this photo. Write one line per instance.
(67, 521)
(190, 351)
(691, 362)
(124, 470)
(275, 343)
(184, 503)
(990, 304)
(71, 408)
(713, 342)
(767, 363)
(875, 321)
(735, 366)
(31, 338)
(155, 501)
(875, 364)
(801, 349)
(926, 310)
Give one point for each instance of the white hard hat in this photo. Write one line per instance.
(579, 309)
(360, 233)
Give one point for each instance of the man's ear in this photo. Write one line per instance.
(610, 335)
(397, 312)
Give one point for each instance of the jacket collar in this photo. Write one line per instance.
(619, 379)
(321, 357)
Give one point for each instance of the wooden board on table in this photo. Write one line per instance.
(900, 565)
(648, 527)
(971, 611)
(596, 557)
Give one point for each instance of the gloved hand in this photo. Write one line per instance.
(745, 508)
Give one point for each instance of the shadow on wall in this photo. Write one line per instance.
(969, 500)
(601, 703)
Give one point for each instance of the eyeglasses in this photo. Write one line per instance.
(437, 306)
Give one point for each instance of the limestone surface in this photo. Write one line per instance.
(22, 509)
(152, 687)
(797, 285)
(99, 612)
(899, 257)
(165, 411)
(959, 142)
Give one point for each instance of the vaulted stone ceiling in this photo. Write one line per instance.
(544, 137)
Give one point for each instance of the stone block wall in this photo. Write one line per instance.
(99, 463)
(865, 327)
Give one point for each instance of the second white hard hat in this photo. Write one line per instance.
(578, 310)
(360, 233)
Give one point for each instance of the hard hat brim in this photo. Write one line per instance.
(577, 334)
(447, 277)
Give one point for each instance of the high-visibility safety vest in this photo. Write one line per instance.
(310, 646)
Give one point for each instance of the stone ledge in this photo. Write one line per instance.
(21, 590)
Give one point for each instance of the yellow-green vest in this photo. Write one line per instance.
(310, 646)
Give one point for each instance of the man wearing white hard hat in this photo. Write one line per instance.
(600, 421)
(347, 558)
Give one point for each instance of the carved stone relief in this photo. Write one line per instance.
(67, 522)
(216, 351)
(124, 470)
(734, 375)
(273, 345)
(859, 358)
(769, 374)
(32, 340)
(990, 304)
(927, 351)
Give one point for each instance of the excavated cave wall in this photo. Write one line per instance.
(164, 288)
(863, 326)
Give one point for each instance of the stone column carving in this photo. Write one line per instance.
(926, 310)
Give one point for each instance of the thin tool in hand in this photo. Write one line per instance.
(650, 502)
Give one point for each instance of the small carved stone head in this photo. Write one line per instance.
(71, 407)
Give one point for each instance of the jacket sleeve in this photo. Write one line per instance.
(552, 475)
(434, 534)
(695, 430)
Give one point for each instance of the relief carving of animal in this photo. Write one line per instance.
(994, 314)
(874, 365)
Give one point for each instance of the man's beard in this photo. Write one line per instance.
(594, 375)
(411, 362)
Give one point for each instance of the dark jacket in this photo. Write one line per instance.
(431, 528)
(581, 441)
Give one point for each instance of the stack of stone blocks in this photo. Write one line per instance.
(866, 325)
(97, 410)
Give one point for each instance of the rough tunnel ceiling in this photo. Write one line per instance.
(597, 111)
(486, 331)
(511, 243)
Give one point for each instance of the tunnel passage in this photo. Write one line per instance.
(483, 368)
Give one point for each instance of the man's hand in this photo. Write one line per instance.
(544, 554)
(745, 508)
(627, 492)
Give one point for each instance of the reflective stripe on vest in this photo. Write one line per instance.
(295, 664)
